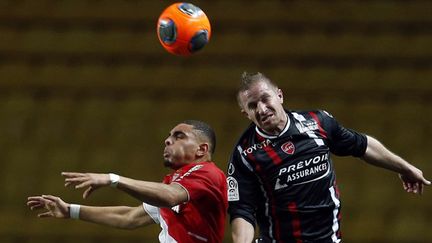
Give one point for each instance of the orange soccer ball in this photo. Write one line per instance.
(183, 29)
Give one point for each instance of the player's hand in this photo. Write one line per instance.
(55, 207)
(413, 180)
(91, 181)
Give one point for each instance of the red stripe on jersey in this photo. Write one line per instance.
(270, 198)
(276, 160)
(321, 130)
(292, 207)
(335, 186)
(270, 152)
(252, 158)
(276, 222)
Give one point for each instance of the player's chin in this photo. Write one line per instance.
(268, 124)
(168, 163)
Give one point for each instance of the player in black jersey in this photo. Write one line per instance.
(280, 174)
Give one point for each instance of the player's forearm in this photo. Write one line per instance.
(117, 217)
(378, 155)
(157, 194)
(242, 231)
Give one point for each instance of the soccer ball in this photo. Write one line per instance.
(183, 29)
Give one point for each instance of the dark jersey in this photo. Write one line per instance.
(286, 183)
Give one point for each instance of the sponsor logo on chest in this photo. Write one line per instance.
(257, 146)
(304, 164)
(303, 171)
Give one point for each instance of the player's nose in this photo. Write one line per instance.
(261, 108)
(168, 141)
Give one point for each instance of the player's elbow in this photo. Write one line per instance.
(130, 225)
(127, 223)
(131, 221)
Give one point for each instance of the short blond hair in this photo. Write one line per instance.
(248, 79)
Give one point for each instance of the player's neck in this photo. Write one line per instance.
(202, 159)
(280, 127)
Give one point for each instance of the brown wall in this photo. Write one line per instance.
(85, 86)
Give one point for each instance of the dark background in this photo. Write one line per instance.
(86, 86)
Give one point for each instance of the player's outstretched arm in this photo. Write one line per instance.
(154, 193)
(412, 177)
(118, 217)
(242, 231)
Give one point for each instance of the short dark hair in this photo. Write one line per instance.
(206, 130)
(248, 79)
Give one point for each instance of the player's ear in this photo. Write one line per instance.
(279, 94)
(203, 149)
(245, 113)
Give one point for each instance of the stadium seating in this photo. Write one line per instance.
(85, 86)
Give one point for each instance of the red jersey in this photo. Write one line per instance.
(202, 217)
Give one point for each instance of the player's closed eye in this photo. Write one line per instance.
(252, 106)
(179, 135)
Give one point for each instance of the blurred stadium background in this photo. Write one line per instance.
(85, 86)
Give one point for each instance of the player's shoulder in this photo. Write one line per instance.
(207, 171)
(211, 172)
(210, 165)
(315, 114)
(211, 168)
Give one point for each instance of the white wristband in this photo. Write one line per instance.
(74, 210)
(114, 178)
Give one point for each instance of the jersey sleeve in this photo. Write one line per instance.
(153, 212)
(242, 189)
(343, 141)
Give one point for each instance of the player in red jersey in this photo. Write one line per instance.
(190, 205)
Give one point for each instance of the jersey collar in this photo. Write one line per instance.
(265, 135)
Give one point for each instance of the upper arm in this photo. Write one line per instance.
(376, 152)
(180, 194)
(372, 149)
(242, 231)
(375, 148)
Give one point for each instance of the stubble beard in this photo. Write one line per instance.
(167, 163)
